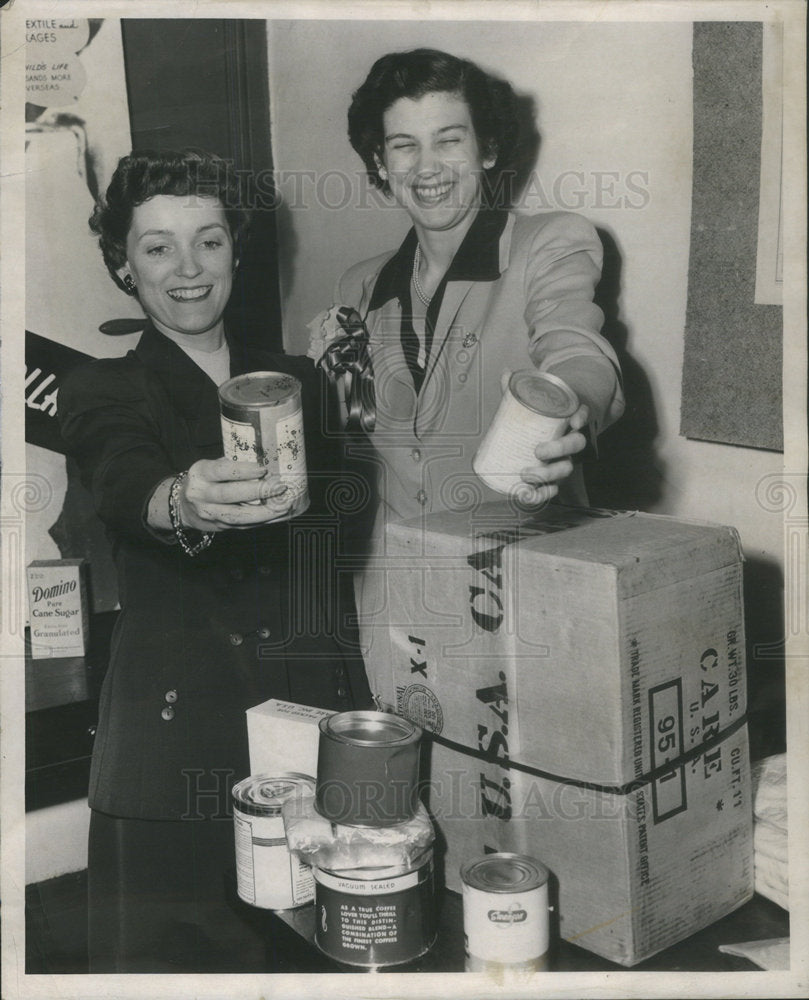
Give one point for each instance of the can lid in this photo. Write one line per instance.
(259, 389)
(265, 794)
(370, 728)
(543, 393)
(504, 873)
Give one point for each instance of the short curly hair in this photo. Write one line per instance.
(493, 105)
(145, 174)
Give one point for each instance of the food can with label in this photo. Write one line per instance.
(505, 914)
(535, 408)
(262, 421)
(267, 874)
(375, 917)
(367, 768)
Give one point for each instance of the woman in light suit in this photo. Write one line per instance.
(473, 292)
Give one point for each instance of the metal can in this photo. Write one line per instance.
(374, 917)
(262, 421)
(267, 874)
(505, 914)
(367, 769)
(535, 408)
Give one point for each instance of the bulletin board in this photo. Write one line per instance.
(732, 388)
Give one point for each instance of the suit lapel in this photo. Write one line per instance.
(192, 394)
(429, 405)
(391, 374)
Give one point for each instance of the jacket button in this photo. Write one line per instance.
(341, 692)
(236, 638)
(265, 570)
(421, 496)
(462, 377)
(167, 713)
(171, 696)
(415, 454)
(237, 574)
(263, 632)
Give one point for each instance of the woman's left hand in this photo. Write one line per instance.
(554, 462)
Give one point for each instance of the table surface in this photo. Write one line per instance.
(291, 948)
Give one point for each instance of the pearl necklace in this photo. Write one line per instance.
(425, 299)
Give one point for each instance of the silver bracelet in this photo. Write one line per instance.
(177, 524)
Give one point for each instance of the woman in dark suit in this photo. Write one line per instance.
(216, 614)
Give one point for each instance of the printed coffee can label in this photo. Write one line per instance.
(376, 917)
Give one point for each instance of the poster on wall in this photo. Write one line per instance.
(76, 129)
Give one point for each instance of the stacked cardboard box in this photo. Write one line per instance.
(583, 675)
(283, 737)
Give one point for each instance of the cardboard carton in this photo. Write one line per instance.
(283, 737)
(582, 673)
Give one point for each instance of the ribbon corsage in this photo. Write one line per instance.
(339, 344)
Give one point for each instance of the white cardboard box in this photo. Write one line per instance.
(283, 737)
(57, 607)
(561, 660)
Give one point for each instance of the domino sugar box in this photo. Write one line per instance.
(582, 673)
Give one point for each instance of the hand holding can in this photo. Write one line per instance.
(536, 407)
(262, 421)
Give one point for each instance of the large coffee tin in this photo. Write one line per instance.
(505, 914)
(535, 408)
(367, 769)
(373, 917)
(262, 421)
(267, 874)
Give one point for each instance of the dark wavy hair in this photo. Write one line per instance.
(142, 175)
(498, 114)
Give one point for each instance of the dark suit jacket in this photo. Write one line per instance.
(262, 613)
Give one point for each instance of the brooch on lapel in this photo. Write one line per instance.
(469, 339)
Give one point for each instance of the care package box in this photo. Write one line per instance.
(582, 673)
(57, 608)
(283, 737)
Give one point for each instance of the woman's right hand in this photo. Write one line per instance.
(216, 495)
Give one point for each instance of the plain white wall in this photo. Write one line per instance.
(614, 105)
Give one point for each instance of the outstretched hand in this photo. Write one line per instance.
(219, 493)
(554, 461)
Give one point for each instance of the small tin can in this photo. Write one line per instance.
(375, 917)
(367, 769)
(535, 408)
(267, 874)
(262, 421)
(505, 914)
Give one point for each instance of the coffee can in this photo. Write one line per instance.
(267, 874)
(505, 914)
(535, 408)
(367, 768)
(376, 917)
(262, 421)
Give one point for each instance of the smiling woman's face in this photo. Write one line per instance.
(432, 160)
(180, 255)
